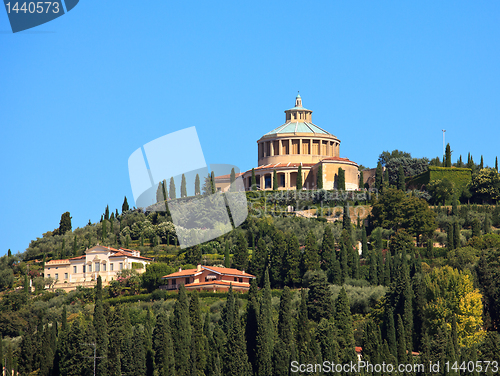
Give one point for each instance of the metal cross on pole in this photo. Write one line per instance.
(95, 357)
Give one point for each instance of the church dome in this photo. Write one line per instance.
(299, 140)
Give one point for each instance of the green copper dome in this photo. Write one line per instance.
(298, 127)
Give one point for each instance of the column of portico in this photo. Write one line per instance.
(300, 146)
(262, 181)
(271, 148)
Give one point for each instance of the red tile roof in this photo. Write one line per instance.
(338, 159)
(215, 269)
(222, 283)
(57, 262)
(229, 176)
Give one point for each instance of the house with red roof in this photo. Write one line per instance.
(209, 278)
(100, 260)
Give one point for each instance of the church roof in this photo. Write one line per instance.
(298, 127)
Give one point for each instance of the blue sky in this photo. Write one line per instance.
(80, 94)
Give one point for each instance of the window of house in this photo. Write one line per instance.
(121, 266)
(65, 275)
(48, 275)
(57, 276)
(173, 281)
(74, 269)
(90, 268)
(235, 279)
(241, 280)
(97, 267)
(111, 267)
(103, 267)
(83, 269)
(187, 280)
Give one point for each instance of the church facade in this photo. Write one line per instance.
(297, 142)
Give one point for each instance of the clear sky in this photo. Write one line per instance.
(80, 94)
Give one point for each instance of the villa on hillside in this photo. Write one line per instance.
(97, 261)
(208, 278)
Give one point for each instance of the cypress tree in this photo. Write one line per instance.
(325, 338)
(346, 218)
(361, 182)
(101, 327)
(197, 190)
(212, 181)
(104, 230)
(343, 322)
(280, 359)
(456, 234)
(319, 299)
(275, 180)
(402, 356)
(181, 333)
(292, 262)
(391, 331)
(259, 261)
(379, 176)
(139, 352)
(364, 243)
(125, 206)
(183, 186)
(304, 353)
(172, 189)
(265, 333)
(299, 178)
(232, 178)
(319, 177)
(481, 163)
(327, 248)
(285, 321)
(163, 346)
(372, 343)
(276, 257)
(198, 358)
(448, 156)
(476, 229)
(344, 268)
(430, 248)
(284, 350)
(387, 269)
(252, 324)
(401, 178)
(341, 179)
(386, 178)
(227, 258)
(450, 237)
(235, 358)
(254, 180)
(65, 223)
(373, 269)
(496, 164)
(335, 272)
(9, 363)
(164, 190)
(310, 257)
(27, 349)
(240, 259)
(106, 213)
(487, 224)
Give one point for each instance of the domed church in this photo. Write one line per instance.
(298, 142)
